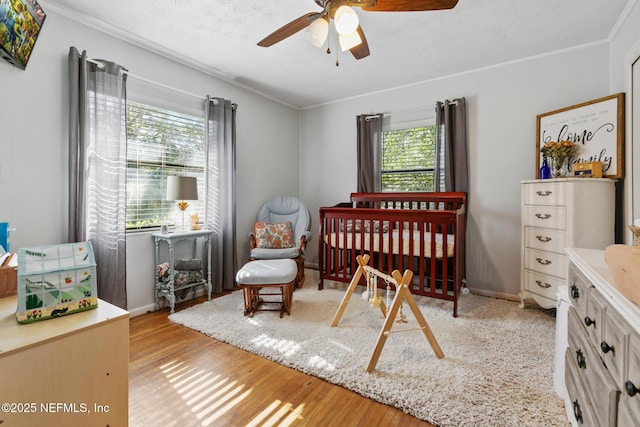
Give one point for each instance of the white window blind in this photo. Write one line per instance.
(408, 159)
(161, 143)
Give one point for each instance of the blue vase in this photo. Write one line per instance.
(545, 171)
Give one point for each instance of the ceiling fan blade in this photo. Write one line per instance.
(362, 50)
(289, 29)
(410, 5)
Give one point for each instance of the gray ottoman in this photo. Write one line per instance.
(267, 277)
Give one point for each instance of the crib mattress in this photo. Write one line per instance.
(370, 242)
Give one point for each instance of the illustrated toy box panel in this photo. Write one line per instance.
(56, 280)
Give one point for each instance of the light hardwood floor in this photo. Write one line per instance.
(179, 377)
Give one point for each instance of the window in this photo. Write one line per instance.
(161, 143)
(408, 159)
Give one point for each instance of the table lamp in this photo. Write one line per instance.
(182, 188)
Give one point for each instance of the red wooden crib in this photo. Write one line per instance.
(423, 232)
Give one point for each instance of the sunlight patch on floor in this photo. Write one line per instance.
(167, 368)
(209, 397)
(228, 406)
(285, 347)
(342, 346)
(212, 399)
(189, 376)
(254, 321)
(193, 391)
(192, 395)
(321, 363)
(272, 414)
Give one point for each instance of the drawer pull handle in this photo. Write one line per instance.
(577, 411)
(543, 239)
(543, 216)
(589, 321)
(543, 193)
(582, 363)
(606, 348)
(575, 292)
(545, 285)
(631, 389)
(543, 261)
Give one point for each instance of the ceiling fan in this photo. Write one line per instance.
(350, 34)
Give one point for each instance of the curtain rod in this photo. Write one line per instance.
(415, 110)
(123, 71)
(164, 86)
(93, 61)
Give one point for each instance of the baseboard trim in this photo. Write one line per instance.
(311, 265)
(493, 294)
(138, 311)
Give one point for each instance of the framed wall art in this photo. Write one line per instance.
(596, 127)
(20, 24)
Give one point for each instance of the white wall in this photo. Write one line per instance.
(34, 142)
(503, 102)
(625, 49)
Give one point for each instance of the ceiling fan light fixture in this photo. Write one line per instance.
(346, 20)
(318, 31)
(348, 41)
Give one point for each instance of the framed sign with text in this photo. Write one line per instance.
(596, 127)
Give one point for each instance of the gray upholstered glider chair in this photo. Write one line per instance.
(269, 239)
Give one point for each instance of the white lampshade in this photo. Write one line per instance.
(318, 31)
(182, 188)
(347, 41)
(346, 20)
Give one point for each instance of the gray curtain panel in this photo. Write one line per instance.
(220, 184)
(452, 171)
(78, 135)
(97, 168)
(369, 146)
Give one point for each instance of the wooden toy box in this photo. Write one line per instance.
(56, 280)
(8, 281)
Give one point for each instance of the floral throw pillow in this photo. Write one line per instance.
(273, 236)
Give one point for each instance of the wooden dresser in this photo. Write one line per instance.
(556, 214)
(68, 371)
(602, 359)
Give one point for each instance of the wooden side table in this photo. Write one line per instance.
(168, 290)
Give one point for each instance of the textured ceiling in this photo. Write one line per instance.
(220, 36)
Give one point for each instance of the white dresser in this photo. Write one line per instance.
(602, 356)
(69, 371)
(556, 214)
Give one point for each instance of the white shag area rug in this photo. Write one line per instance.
(497, 369)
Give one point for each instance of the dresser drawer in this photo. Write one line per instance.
(632, 377)
(612, 343)
(544, 193)
(600, 387)
(628, 411)
(578, 291)
(545, 239)
(594, 318)
(543, 285)
(548, 263)
(581, 407)
(553, 217)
